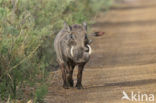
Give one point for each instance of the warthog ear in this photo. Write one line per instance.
(85, 25)
(67, 27)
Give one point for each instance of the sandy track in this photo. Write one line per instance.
(124, 59)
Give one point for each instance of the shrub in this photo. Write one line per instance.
(27, 31)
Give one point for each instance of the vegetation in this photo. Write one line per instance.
(27, 30)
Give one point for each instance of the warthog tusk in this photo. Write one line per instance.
(90, 49)
(71, 51)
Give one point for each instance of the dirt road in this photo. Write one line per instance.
(124, 59)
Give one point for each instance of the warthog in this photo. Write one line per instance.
(72, 48)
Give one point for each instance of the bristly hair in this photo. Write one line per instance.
(77, 27)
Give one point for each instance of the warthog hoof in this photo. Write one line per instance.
(79, 86)
(71, 83)
(65, 86)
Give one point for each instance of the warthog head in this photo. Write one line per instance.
(78, 42)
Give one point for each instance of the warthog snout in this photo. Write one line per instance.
(81, 54)
(80, 51)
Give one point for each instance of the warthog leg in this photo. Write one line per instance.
(64, 76)
(79, 76)
(71, 66)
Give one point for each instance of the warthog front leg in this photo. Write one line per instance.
(69, 78)
(70, 73)
(66, 85)
(79, 76)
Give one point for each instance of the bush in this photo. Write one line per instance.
(27, 31)
(40, 93)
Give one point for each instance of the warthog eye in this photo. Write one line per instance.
(71, 36)
(71, 39)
